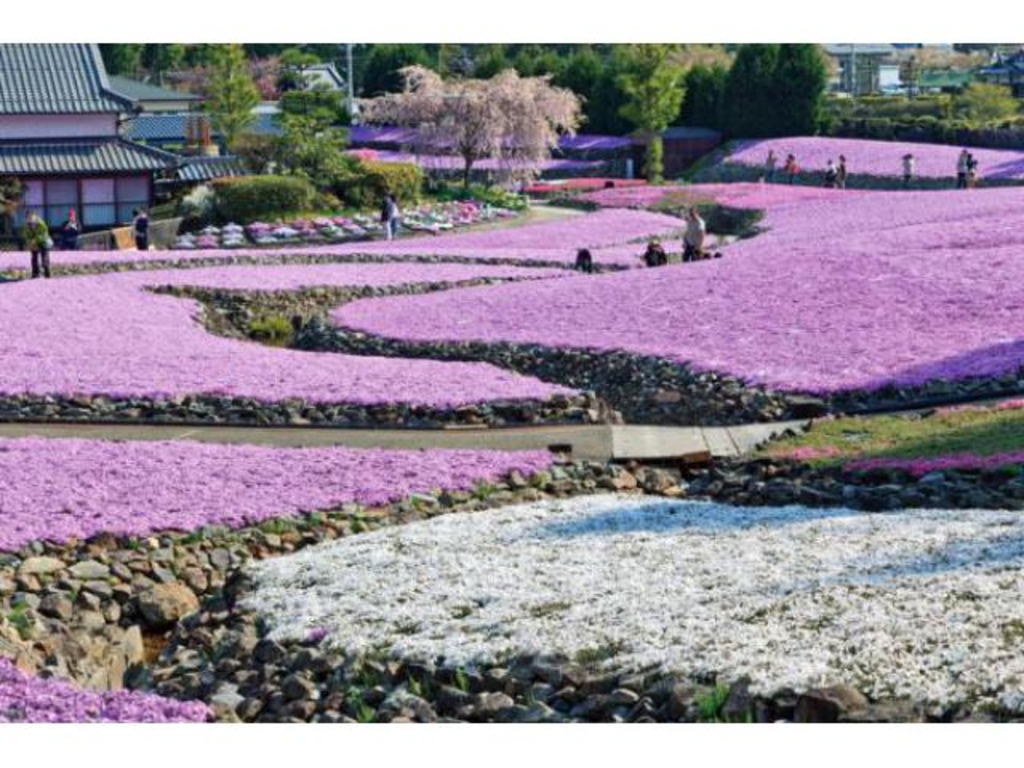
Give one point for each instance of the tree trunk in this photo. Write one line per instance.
(467, 166)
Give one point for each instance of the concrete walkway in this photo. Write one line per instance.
(594, 442)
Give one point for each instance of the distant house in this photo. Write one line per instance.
(173, 131)
(152, 99)
(860, 66)
(323, 77)
(59, 134)
(1006, 69)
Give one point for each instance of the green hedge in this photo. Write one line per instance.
(249, 198)
(371, 180)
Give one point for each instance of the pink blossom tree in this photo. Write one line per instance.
(511, 119)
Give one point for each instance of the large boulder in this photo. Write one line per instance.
(164, 604)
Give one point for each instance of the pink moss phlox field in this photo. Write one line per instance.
(843, 291)
(58, 489)
(740, 195)
(549, 241)
(879, 158)
(456, 163)
(26, 699)
(918, 467)
(107, 335)
(294, 277)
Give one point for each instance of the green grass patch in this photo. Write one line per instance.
(965, 430)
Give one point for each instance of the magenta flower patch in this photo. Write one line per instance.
(918, 467)
(844, 291)
(26, 699)
(879, 158)
(106, 335)
(61, 489)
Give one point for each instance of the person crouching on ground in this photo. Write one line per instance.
(693, 238)
(584, 261)
(140, 229)
(655, 255)
(38, 242)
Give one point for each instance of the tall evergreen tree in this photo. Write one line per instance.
(382, 70)
(799, 90)
(581, 75)
(749, 99)
(122, 58)
(705, 96)
(231, 93)
(654, 84)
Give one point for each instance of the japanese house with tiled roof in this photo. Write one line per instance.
(60, 122)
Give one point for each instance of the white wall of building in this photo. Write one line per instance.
(57, 126)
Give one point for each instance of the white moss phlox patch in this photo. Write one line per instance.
(924, 604)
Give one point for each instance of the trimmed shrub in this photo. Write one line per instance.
(249, 198)
(371, 180)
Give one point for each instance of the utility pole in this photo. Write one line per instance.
(348, 82)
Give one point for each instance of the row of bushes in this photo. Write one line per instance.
(932, 130)
(249, 198)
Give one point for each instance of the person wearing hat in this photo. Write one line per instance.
(38, 242)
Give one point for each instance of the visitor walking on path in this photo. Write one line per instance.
(140, 229)
(769, 166)
(961, 169)
(841, 173)
(389, 216)
(908, 169)
(69, 232)
(38, 242)
(791, 168)
(693, 238)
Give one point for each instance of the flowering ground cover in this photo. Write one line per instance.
(921, 604)
(878, 158)
(548, 242)
(26, 699)
(842, 292)
(970, 437)
(57, 489)
(106, 335)
(578, 185)
(454, 163)
(740, 195)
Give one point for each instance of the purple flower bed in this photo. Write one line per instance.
(456, 163)
(386, 134)
(844, 292)
(57, 489)
(919, 467)
(551, 241)
(106, 335)
(292, 277)
(879, 158)
(26, 699)
(742, 195)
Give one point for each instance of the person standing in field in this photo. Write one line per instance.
(841, 173)
(972, 171)
(961, 169)
(908, 169)
(140, 229)
(38, 242)
(831, 175)
(693, 238)
(769, 166)
(389, 216)
(791, 169)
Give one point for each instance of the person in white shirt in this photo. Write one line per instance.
(693, 238)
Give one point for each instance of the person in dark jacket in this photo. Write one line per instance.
(69, 232)
(655, 255)
(140, 229)
(584, 261)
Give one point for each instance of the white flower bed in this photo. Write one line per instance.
(923, 604)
